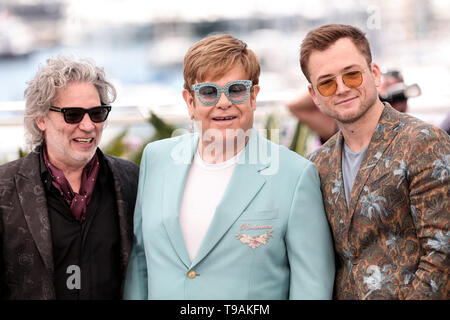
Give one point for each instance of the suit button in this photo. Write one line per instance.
(192, 274)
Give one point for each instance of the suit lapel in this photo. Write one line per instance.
(384, 133)
(34, 206)
(337, 202)
(173, 187)
(340, 199)
(245, 183)
(125, 229)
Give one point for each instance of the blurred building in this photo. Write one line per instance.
(142, 43)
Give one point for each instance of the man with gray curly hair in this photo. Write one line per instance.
(66, 208)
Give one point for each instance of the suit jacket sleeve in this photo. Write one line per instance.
(309, 242)
(429, 181)
(136, 277)
(2, 263)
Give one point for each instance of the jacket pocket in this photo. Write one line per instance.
(259, 215)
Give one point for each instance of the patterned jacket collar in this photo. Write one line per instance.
(28, 180)
(384, 133)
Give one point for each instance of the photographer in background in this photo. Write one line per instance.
(445, 125)
(392, 90)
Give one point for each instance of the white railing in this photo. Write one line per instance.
(121, 116)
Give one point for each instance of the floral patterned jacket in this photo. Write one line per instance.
(393, 243)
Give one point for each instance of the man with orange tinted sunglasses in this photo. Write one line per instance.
(392, 90)
(384, 177)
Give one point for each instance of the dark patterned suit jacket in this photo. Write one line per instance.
(26, 261)
(393, 243)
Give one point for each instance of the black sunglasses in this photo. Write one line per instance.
(75, 115)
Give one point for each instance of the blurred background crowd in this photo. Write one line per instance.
(141, 45)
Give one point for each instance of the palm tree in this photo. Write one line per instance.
(441, 167)
(117, 147)
(402, 171)
(371, 204)
(337, 186)
(414, 214)
(377, 279)
(392, 242)
(299, 140)
(271, 125)
(163, 130)
(22, 153)
(440, 242)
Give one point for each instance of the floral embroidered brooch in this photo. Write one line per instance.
(255, 241)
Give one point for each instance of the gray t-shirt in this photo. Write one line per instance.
(351, 161)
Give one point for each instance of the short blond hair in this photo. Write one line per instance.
(218, 54)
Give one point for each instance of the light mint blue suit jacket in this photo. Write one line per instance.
(269, 237)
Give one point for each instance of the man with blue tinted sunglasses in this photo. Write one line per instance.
(224, 213)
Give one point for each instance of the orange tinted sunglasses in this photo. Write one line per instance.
(351, 79)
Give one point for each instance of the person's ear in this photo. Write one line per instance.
(312, 93)
(40, 122)
(253, 94)
(376, 73)
(189, 99)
